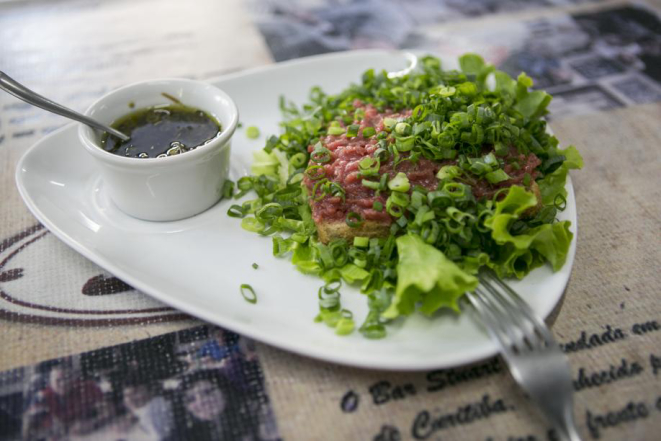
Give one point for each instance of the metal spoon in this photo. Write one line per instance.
(23, 93)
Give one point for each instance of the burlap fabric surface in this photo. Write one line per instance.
(609, 321)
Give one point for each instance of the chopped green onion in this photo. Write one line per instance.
(389, 123)
(369, 132)
(405, 144)
(248, 293)
(370, 184)
(552, 164)
(361, 242)
(439, 199)
(448, 172)
(383, 183)
(320, 190)
(335, 189)
(368, 166)
(352, 130)
(339, 253)
(480, 168)
(373, 330)
(458, 215)
(252, 132)
(497, 195)
(332, 287)
(255, 266)
(354, 220)
(245, 183)
(378, 206)
(281, 246)
(295, 177)
(320, 154)
(401, 199)
(329, 299)
(399, 183)
(346, 324)
(455, 190)
(403, 129)
(253, 225)
(526, 179)
(336, 131)
(381, 154)
(269, 212)
(315, 172)
(359, 257)
(560, 202)
(236, 211)
(497, 176)
(424, 215)
(298, 160)
(490, 159)
(430, 232)
(501, 149)
(393, 209)
(228, 189)
(417, 199)
(366, 163)
(446, 91)
(249, 207)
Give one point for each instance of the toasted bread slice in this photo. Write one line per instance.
(333, 230)
(340, 230)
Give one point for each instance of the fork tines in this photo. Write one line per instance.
(507, 317)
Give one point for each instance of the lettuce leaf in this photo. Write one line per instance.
(553, 184)
(531, 104)
(471, 64)
(552, 242)
(264, 163)
(520, 254)
(515, 203)
(573, 160)
(305, 261)
(513, 262)
(273, 164)
(504, 83)
(426, 276)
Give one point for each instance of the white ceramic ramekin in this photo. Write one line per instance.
(171, 188)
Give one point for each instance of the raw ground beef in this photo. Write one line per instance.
(346, 153)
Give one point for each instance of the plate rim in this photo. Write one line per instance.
(467, 357)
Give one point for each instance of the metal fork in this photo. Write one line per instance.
(529, 349)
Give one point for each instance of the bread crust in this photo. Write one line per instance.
(333, 230)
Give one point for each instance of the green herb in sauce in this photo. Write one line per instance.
(162, 131)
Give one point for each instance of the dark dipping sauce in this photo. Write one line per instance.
(162, 131)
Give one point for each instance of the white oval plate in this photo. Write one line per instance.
(197, 264)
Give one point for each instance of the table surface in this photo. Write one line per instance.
(601, 62)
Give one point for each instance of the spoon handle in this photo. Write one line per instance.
(15, 88)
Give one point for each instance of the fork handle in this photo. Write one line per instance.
(569, 427)
(559, 414)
